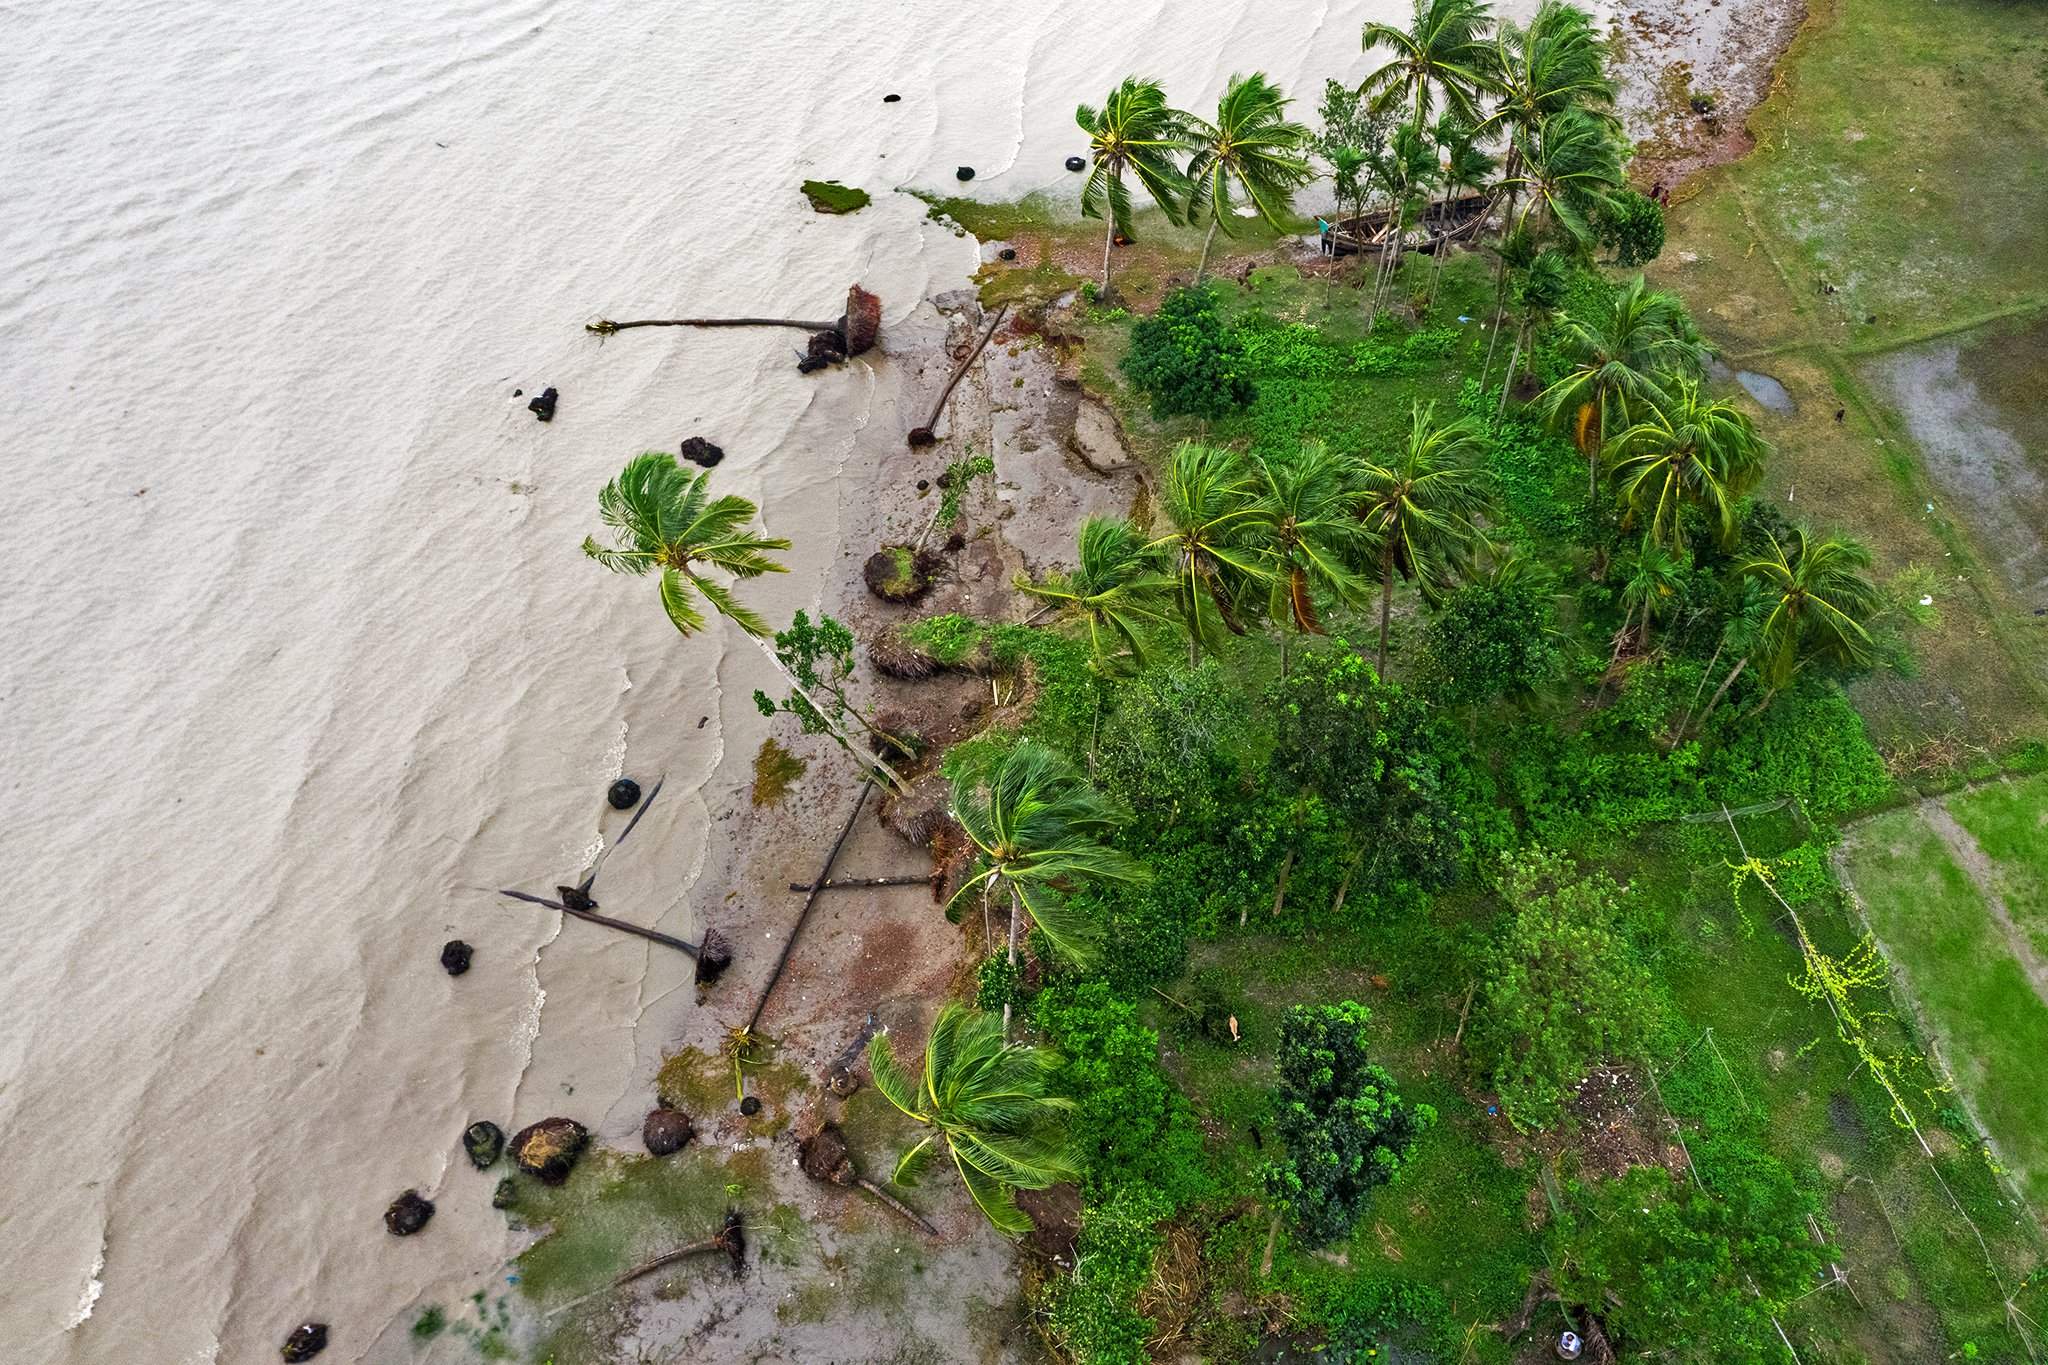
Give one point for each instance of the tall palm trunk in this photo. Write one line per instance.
(1508, 385)
(1108, 241)
(1386, 606)
(1016, 909)
(1202, 267)
(1722, 690)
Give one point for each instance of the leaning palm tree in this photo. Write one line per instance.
(664, 519)
(989, 1103)
(1307, 519)
(1441, 60)
(1655, 577)
(1039, 830)
(1570, 166)
(1465, 167)
(1420, 511)
(1688, 449)
(1539, 290)
(1555, 62)
(1820, 604)
(1211, 506)
(1117, 592)
(1251, 145)
(1133, 131)
(1619, 360)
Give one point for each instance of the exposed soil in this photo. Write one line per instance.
(1614, 1125)
(1680, 54)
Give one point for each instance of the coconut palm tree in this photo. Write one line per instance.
(1554, 63)
(1211, 506)
(1819, 606)
(1539, 291)
(1441, 60)
(1619, 363)
(1134, 131)
(1570, 166)
(1687, 449)
(1655, 577)
(1117, 592)
(1040, 831)
(1307, 518)
(1251, 145)
(988, 1103)
(664, 519)
(1465, 167)
(1419, 511)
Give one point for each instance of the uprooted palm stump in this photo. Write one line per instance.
(731, 1239)
(825, 1157)
(854, 333)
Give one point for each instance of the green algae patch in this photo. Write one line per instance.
(775, 768)
(829, 196)
(617, 1211)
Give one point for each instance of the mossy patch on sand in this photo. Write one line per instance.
(618, 1210)
(775, 768)
(829, 196)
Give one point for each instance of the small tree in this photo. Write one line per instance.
(1487, 641)
(1188, 359)
(818, 658)
(1346, 1129)
(1631, 225)
(1563, 988)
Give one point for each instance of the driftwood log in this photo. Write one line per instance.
(713, 956)
(922, 436)
(864, 883)
(824, 875)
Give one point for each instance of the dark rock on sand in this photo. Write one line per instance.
(702, 453)
(1075, 163)
(964, 173)
(485, 1143)
(1008, 253)
(543, 407)
(547, 1150)
(624, 794)
(810, 364)
(455, 955)
(307, 1340)
(891, 99)
(955, 543)
(408, 1214)
(506, 1195)
(666, 1131)
(751, 1105)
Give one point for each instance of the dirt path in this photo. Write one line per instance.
(1962, 846)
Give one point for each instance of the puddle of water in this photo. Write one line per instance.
(1766, 390)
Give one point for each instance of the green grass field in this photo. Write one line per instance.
(1933, 911)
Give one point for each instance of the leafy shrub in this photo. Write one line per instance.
(1563, 987)
(996, 982)
(1376, 756)
(1486, 642)
(1632, 227)
(1090, 1312)
(1346, 1129)
(1130, 1124)
(1188, 359)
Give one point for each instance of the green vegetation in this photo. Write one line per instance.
(775, 768)
(988, 1104)
(1188, 359)
(829, 196)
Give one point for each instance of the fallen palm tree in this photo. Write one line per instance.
(731, 1239)
(713, 955)
(856, 328)
(923, 435)
(825, 1157)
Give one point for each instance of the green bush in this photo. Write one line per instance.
(1090, 1312)
(1130, 1125)
(1563, 990)
(1487, 642)
(1346, 1130)
(1632, 227)
(1187, 359)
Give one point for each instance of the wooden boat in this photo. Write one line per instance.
(1445, 221)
